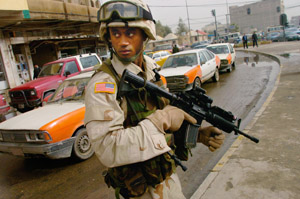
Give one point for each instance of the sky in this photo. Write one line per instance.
(168, 12)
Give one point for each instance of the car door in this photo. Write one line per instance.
(211, 63)
(204, 67)
(232, 51)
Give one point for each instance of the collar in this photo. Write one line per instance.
(120, 67)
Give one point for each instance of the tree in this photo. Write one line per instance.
(234, 28)
(182, 27)
(162, 30)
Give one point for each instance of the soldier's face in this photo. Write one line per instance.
(127, 42)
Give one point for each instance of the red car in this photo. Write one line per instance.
(31, 94)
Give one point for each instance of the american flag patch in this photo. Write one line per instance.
(105, 87)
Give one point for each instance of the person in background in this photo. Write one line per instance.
(132, 134)
(36, 71)
(245, 41)
(254, 39)
(175, 49)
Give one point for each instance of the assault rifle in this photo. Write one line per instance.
(195, 102)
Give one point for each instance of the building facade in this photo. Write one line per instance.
(295, 20)
(38, 31)
(257, 16)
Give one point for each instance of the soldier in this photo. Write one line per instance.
(129, 134)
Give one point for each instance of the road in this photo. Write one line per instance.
(242, 91)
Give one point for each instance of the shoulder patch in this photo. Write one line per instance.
(105, 87)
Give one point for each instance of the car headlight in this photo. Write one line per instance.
(38, 136)
(32, 92)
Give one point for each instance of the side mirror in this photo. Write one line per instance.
(202, 63)
(67, 73)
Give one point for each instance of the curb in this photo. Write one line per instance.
(218, 167)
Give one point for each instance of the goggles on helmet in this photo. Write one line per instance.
(123, 10)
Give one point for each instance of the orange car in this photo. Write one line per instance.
(55, 130)
(187, 69)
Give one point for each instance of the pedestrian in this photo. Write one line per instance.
(245, 41)
(129, 134)
(254, 39)
(36, 71)
(175, 49)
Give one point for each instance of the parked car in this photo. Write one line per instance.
(187, 69)
(168, 47)
(275, 36)
(5, 110)
(292, 36)
(226, 53)
(200, 46)
(55, 130)
(31, 94)
(161, 56)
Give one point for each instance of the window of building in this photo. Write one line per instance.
(278, 9)
(248, 11)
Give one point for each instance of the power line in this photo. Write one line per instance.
(202, 5)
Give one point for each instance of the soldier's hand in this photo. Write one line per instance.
(170, 118)
(211, 137)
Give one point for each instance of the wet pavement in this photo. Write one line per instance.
(242, 91)
(269, 169)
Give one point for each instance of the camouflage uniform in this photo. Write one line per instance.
(116, 145)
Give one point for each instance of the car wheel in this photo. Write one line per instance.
(229, 69)
(233, 64)
(82, 148)
(216, 76)
(23, 110)
(197, 83)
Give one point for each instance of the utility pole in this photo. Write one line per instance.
(187, 12)
(213, 12)
(227, 15)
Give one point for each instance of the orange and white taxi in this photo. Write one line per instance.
(55, 130)
(187, 69)
(226, 53)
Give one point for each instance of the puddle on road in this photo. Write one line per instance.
(289, 55)
(253, 60)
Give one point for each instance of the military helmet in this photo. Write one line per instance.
(126, 13)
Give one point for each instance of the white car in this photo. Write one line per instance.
(187, 69)
(226, 53)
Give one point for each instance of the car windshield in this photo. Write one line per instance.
(181, 60)
(70, 90)
(51, 69)
(218, 49)
(164, 47)
(291, 33)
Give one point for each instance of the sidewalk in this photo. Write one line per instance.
(271, 168)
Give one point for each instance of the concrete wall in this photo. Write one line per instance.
(13, 5)
(262, 14)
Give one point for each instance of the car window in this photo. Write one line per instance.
(211, 54)
(164, 53)
(89, 61)
(70, 90)
(231, 48)
(71, 67)
(219, 49)
(51, 69)
(156, 55)
(203, 59)
(208, 56)
(181, 60)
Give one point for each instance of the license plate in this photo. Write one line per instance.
(21, 106)
(17, 151)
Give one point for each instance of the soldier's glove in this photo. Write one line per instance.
(170, 118)
(211, 137)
